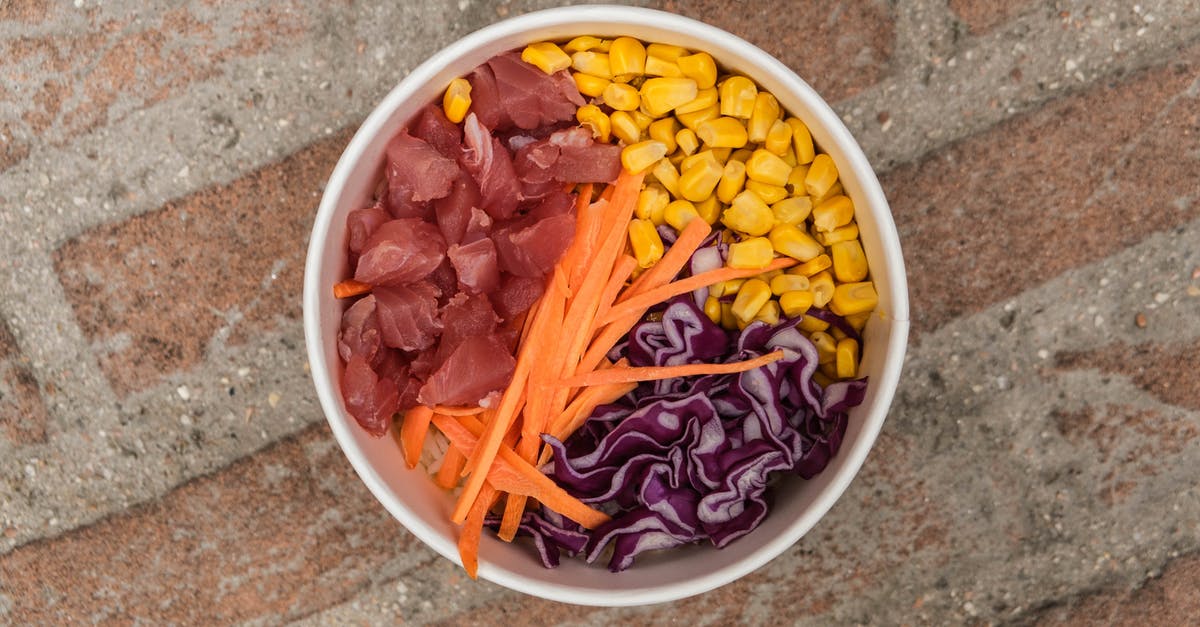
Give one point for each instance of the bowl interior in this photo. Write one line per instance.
(422, 507)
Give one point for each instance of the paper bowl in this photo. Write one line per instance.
(423, 508)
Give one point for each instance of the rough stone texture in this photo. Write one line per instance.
(1037, 465)
(135, 288)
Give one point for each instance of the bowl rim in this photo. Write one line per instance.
(611, 15)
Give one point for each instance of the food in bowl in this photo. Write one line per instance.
(733, 287)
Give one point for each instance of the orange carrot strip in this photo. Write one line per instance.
(621, 272)
(582, 407)
(350, 287)
(483, 456)
(472, 531)
(510, 523)
(452, 463)
(676, 257)
(512, 474)
(412, 433)
(650, 297)
(654, 373)
(457, 411)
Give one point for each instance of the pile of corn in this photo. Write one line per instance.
(719, 149)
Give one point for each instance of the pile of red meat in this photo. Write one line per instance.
(459, 240)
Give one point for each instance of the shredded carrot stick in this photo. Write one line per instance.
(608, 296)
(350, 287)
(655, 373)
(412, 433)
(472, 531)
(452, 463)
(676, 257)
(457, 411)
(641, 302)
(582, 407)
(512, 474)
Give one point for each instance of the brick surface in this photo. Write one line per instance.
(1045, 192)
(1170, 599)
(1146, 366)
(154, 291)
(854, 37)
(22, 412)
(982, 16)
(276, 536)
(67, 84)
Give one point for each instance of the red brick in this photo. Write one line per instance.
(1144, 365)
(1167, 600)
(23, 414)
(1071, 183)
(24, 10)
(839, 52)
(982, 16)
(159, 286)
(281, 534)
(68, 84)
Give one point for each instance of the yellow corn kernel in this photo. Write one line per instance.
(820, 379)
(809, 324)
(668, 176)
(590, 86)
(668, 52)
(584, 43)
(802, 142)
(833, 213)
(812, 266)
(821, 175)
(679, 212)
(590, 116)
(547, 56)
(751, 253)
(795, 303)
(836, 190)
(853, 298)
(694, 119)
(593, 63)
(837, 333)
(700, 67)
(722, 154)
(765, 167)
(642, 155)
(784, 282)
(717, 290)
(796, 180)
(709, 209)
(742, 154)
(621, 97)
(751, 298)
(847, 359)
(658, 66)
(722, 132)
(624, 127)
(642, 120)
(676, 158)
(821, 285)
(691, 160)
(826, 346)
(791, 241)
(661, 95)
(733, 178)
(768, 275)
(789, 157)
(732, 286)
(768, 313)
(652, 197)
(728, 320)
(769, 193)
(858, 321)
(664, 130)
(646, 244)
(840, 234)
(779, 141)
(712, 309)
(764, 113)
(704, 99)
(627, 57)
(749, 214)
(658, 215)
(697, 182)
(792, 210)
(829, 368)
(686, 141)
(849, 262)
(737, 95)
(457, 100)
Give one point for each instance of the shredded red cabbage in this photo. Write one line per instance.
(689, 460)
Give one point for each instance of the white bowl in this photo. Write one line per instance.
(423, 508)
